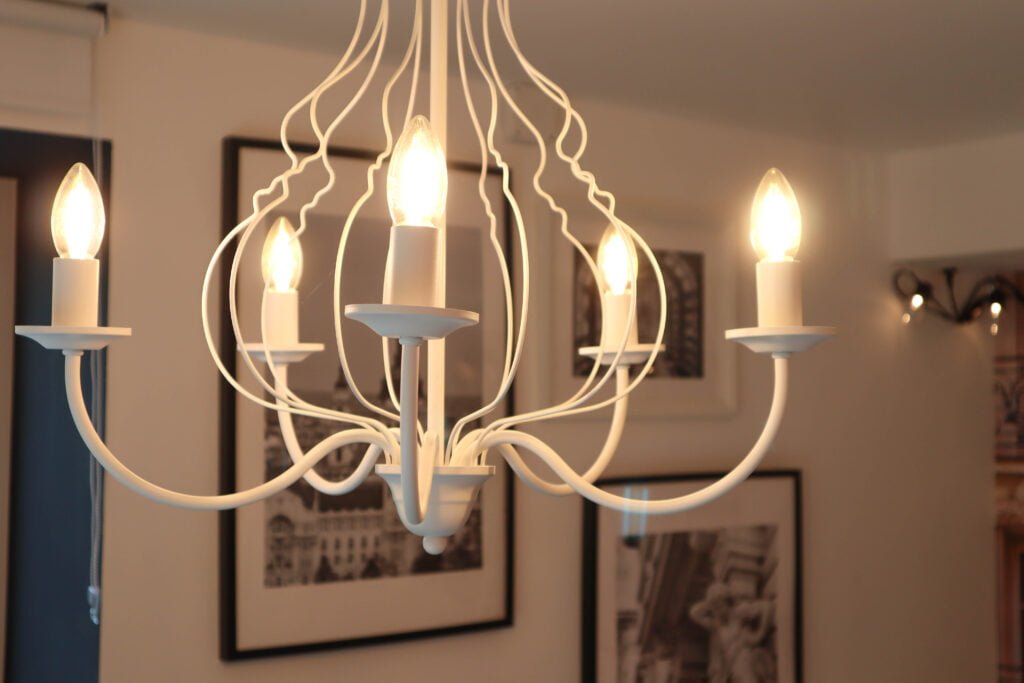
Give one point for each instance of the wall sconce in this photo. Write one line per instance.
(988, 296)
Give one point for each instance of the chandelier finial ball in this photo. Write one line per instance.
(435, 545)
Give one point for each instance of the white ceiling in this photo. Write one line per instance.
(881, 73)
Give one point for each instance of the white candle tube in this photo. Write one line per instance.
(614, 314)
(778, 294)
(281, 318)
(411, 276)
(76, 292)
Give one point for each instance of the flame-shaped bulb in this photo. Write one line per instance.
(617, 260)
(417, 177)
(78, 219)
(282, 257)
(775, 219)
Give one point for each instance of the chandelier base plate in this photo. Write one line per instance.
(634, 354)
(411, 322)
(281, 355)
(69, 339)
(450, 492)
(780, 341)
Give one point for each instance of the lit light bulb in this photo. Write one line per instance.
(282, 257)
(916, 301)
(775, 219)
(617, 260)
(995, 309)
(418, 177)
(78, 219)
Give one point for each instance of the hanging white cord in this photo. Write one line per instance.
(97, 367)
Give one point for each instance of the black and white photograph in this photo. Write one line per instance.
(695, 374)
(685, 601)
(295, 562)
(698, 605)
(683, 273)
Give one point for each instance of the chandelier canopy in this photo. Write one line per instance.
(434, 473)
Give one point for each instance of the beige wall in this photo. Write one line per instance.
(891, 426)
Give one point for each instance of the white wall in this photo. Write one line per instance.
(891, 426)
(955, 201)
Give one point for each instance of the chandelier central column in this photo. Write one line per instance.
(439, 123)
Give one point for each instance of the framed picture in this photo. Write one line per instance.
(303, 571)
(695, 375)
(712, 594)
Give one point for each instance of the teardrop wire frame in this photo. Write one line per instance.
(557, 95)
(296, 167)
(583, 395)
(513, 341)
(377, 39)
(491, 76)
(252, 220)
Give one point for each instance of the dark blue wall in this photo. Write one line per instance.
(49, 634)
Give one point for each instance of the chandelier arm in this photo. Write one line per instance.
(596, 468)
(669, 505)
(512, 348)
(321, 484)
(380, 36)
(295, 452)
(80, 415)
(247, 225)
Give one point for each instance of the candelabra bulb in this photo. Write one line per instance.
(78, 219)
(775, 219)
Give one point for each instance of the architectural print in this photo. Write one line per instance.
(698, 606)
(684, 328)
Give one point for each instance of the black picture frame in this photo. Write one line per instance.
(232, 148)
(589, 601)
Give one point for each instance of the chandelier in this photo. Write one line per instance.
(434, 474)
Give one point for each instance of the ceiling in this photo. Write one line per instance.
(876, 73)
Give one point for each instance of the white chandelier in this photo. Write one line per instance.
(434, 474)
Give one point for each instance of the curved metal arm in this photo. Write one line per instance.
(295, 452)
(76, 402)
(600, 463)
(669, 505)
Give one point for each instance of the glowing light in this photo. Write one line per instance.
(282, 257)
(995, 309)
(775, 219)
(78, 219)
(418, 177)
(617, 260)
(916, 302)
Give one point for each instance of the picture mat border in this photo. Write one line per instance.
(588, 622)
(232, 147)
